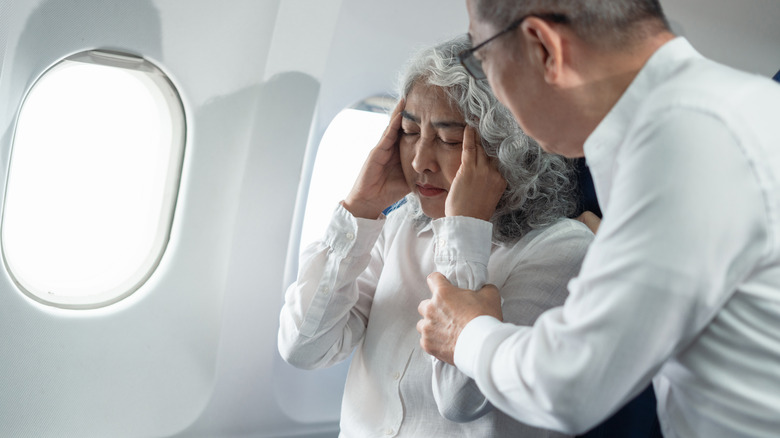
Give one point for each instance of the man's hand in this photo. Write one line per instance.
(448, 311)
(478, 185)
(591, 220)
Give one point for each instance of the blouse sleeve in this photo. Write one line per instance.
(326, 310)
(536, 282)
(462, 250)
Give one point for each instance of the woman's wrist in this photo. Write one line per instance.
(361, 209)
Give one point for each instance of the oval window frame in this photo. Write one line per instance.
(169, 94)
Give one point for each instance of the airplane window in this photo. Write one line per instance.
(93, 180)
(343, 149)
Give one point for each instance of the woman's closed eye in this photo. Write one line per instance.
(453, 143)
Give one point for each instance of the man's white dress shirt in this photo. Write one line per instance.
(681, 284)
(359, 288)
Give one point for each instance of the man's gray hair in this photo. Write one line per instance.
(541, 186)
(613, 23)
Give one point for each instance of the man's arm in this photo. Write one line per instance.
(660, 268)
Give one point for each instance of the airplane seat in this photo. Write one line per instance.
(585, 189)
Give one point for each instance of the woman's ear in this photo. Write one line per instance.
(545, 43)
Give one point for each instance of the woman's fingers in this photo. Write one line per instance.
(469, 154)
(390, 136)
(473, 154)
(381, 181)
(478, 186)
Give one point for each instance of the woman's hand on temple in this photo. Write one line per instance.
(478, 186)
(381, 181)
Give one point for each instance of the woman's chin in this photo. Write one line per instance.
(431, 212)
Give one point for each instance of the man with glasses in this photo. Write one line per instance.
(681, 286)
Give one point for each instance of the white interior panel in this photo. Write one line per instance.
(744, 34)
(193, 352)
(145, 366)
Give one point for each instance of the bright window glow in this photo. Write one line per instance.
(343, 149)
(94, 173)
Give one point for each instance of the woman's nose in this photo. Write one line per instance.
(425, 156)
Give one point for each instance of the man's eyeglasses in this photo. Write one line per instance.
(474, 65)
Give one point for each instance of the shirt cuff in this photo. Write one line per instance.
(347, 233)
(470, 342)
(462, 238)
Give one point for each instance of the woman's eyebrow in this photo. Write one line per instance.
(448, 124)
(439, 124)
(409, 116)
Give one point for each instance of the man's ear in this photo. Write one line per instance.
(546, 48)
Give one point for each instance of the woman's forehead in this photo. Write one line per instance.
(430, 102)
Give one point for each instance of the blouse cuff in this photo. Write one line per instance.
(349, 234)
(462, 238)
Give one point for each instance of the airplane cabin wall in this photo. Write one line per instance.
(743, 34)
(145, 366)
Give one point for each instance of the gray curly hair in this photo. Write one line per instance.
(540, 186)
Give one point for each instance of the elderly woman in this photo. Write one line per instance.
(484, 204)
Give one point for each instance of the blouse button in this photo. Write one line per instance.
(388, 431)
(396, 376)
(325, 290)
(350, 236)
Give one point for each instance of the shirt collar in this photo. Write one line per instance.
(601, 146)
(661, 65)
(427, 228)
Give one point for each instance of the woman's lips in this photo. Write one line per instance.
(429, 190)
